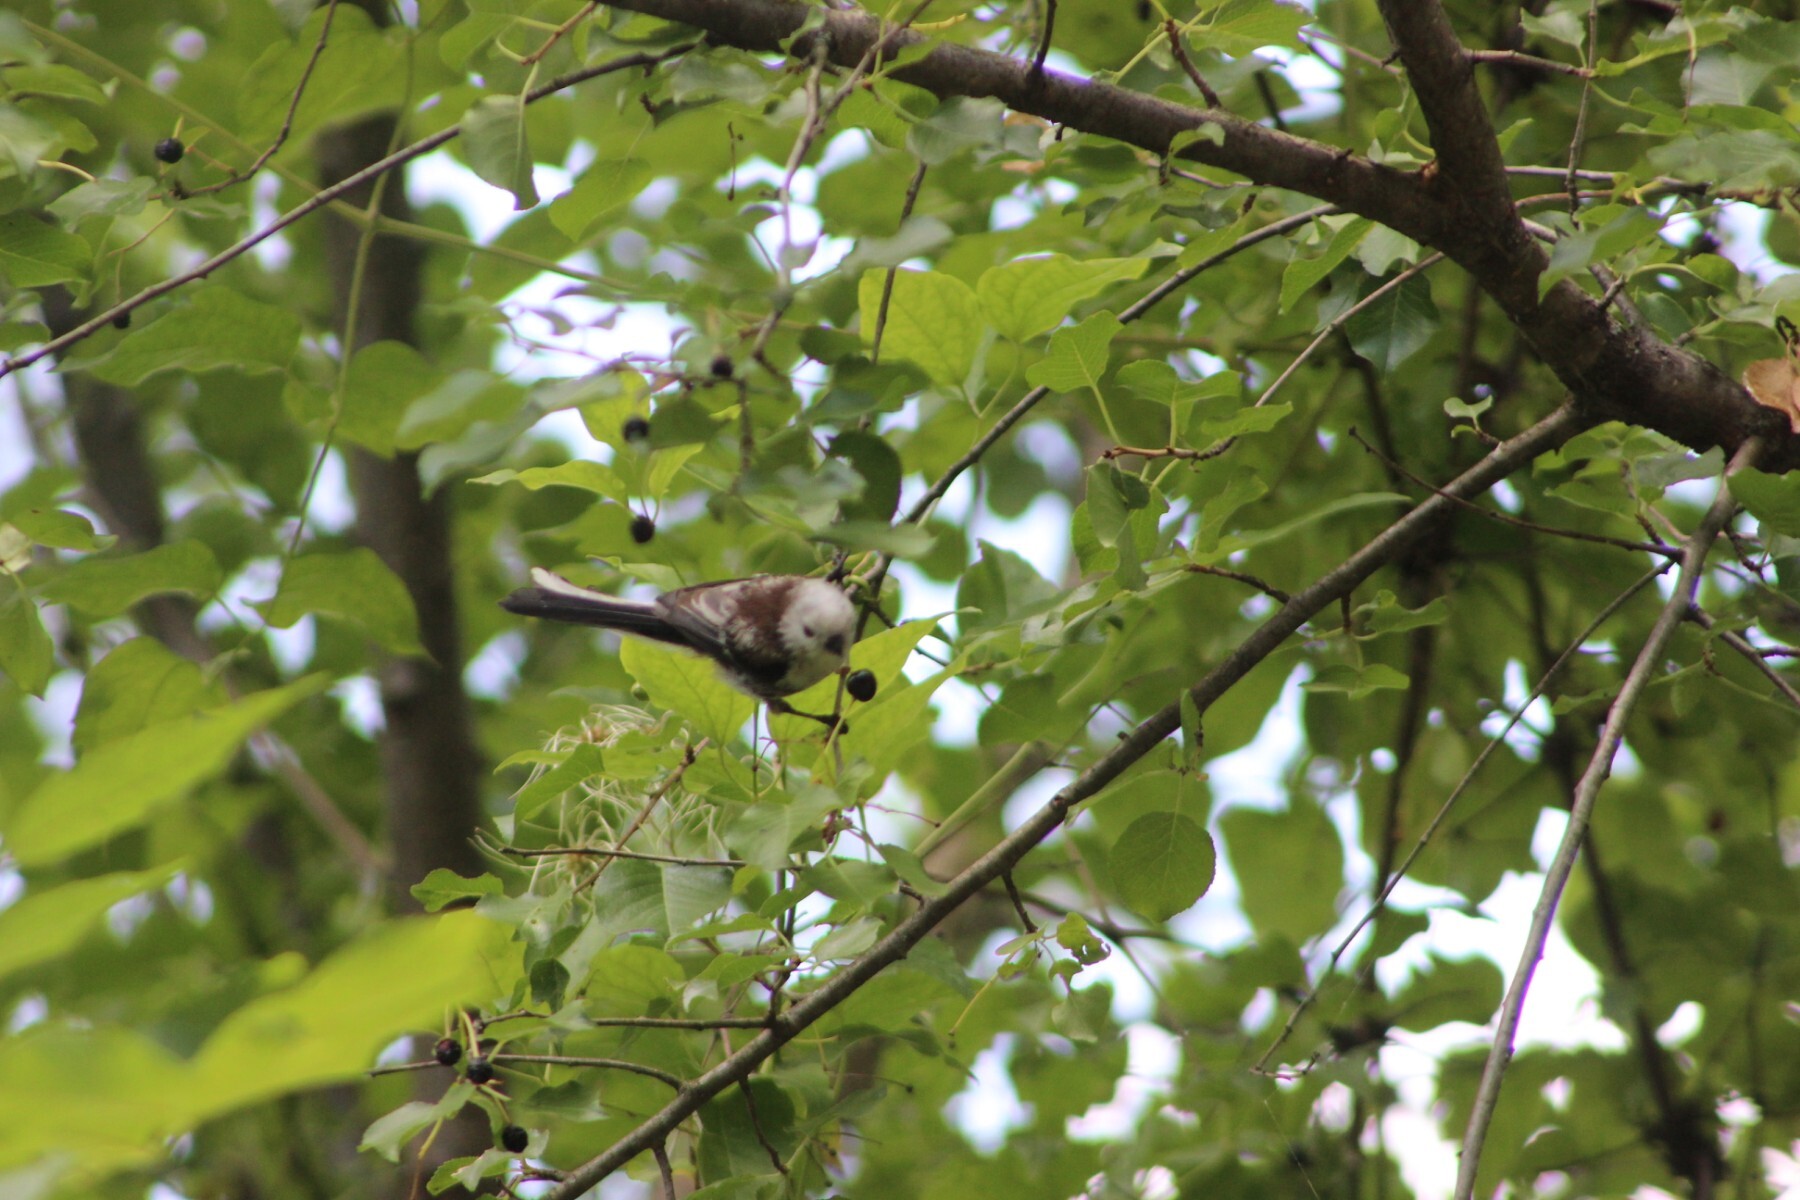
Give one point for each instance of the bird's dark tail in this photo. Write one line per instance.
(556, 599)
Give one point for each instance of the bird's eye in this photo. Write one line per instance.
(807, 630)
(835, 643)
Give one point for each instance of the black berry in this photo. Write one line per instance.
(169, 150)
(514, 1139)
(642, 529)
(861, 684)
(480, 1069)
(122, 321)
(447, 1051)
(721, 366)
(635, 429)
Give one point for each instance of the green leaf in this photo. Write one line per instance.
(388, 1134)
(34, 253)
(580, 473)
(138, 683)
(879, 467)
(1247, 420)
(382, 384)
(606, 187)
(217, 328)
(444, 886)
(1358, 682)
(1162, 864)
(688, 684)
(107, 586)
(103, 198)
(60, 528)
(933, 320)
(1289, 868)
(26, 653)
(399, 976)
(1772, 499)
(1241, 27)
(1304, 274)
(353, 585)
(1598, 243)
(1078, 356)
(582, 761)
(493, 138)
(1396, 326)
(124, 782)
(1112, 496)
(47, 922)
(1029, 296)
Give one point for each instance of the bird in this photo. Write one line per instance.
(771, 635)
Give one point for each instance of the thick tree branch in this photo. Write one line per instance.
(1328, 589)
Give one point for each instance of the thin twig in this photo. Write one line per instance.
(1267, 589)
(887, 282)
(1172, 31)
(1043, 48)
(560, 32)
(660, 1152)
(1750, 654)
(287, 122)
(1516, 58)
(600, 852)
(610, 1064)
(1581, 110)
(1587, 790)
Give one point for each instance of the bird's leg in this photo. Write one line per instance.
(829, 721)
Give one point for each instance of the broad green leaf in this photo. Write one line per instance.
(687, 684)
(138, 683)
(1078, 356)
(1387, 615)
(493, 139)
(444, 886)
(217, 328)
(60, 528)
(1358, 682)
(389, 1133)
(583, 761)
(46, 922)
(1304, 274)
(737, 1141)
(933, 320)
(34, 253)
(1031, 295)
(106, 1094)
(1597, 243)
(579, 473)
(383, 382)
(26, 653)
(1251, 418)
(606, 187)
(124, 782)
(1772, 499)
(1461, 990)
(1162, 864)
(1289, 868)
(103, 198)
(763, 833)
(396, 978)
(1241, 27)
(353, 585)
(104, 586)
(1396, 326)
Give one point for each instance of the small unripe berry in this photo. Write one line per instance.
(860, 684)
(480, 1069)
(122, 321)
(721, 366)
(447, 1051)
(514, 1139)
(642, 529)
(635, 429)
(169, 150)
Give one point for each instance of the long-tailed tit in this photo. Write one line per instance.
(771, 635)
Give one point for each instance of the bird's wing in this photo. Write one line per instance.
(710, 617)
(556, 599)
